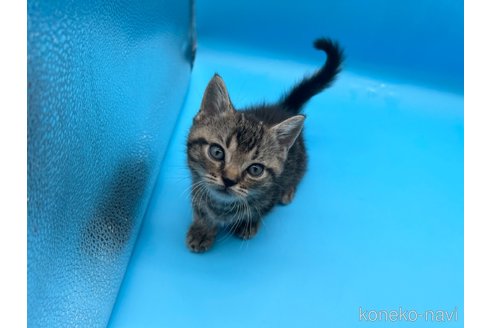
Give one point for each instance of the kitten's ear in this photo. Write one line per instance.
(216, 98)
(288, 130)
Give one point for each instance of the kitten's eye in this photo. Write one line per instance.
(216, 152)
(256, 169)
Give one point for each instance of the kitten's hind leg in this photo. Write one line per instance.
(287, 196)
(201, 236)
(247, 229)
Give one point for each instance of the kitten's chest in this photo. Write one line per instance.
(228, 213)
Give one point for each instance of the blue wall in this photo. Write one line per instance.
(419, 39)
(106, 81)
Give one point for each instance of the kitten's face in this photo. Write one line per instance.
(233, 155)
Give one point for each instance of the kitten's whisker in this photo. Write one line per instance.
(228, 233)
(231, 208)
(235, 218)
(192, 188)
(198, 194)
(178, 178)
(259, 215)
(236, 221)
(248, 220)
(204, 193)
(188, 188)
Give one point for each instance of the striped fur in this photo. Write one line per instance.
(227, 148)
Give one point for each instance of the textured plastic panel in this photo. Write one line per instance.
(106, 81)
(417, 39)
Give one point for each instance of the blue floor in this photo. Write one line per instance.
(376, 224)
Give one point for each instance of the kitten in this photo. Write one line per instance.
(245, 162)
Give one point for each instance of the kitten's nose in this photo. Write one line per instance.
(228, 182)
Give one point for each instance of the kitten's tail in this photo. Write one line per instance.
(314, 84)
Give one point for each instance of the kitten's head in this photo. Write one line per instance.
(232, 154)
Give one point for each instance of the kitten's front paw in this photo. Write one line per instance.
(247, 230)
(288, 196)
(200, 237)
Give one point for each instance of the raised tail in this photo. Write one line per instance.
(314, 84)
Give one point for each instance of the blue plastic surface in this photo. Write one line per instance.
(106, 81)
(377, 222)
(420, 40)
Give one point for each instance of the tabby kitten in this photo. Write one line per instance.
(244, 162)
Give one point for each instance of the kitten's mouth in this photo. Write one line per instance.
(223, 191)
